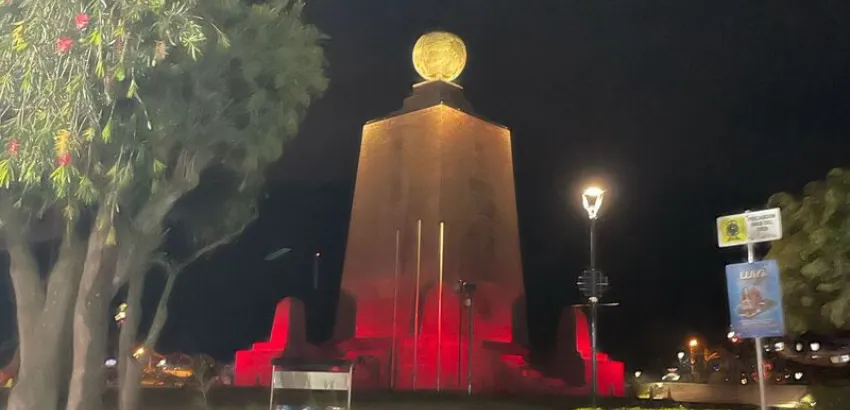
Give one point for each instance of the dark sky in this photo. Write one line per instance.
(688, 109)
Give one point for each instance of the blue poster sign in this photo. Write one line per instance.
(755, 299)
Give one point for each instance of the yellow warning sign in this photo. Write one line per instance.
(749, 227)
(732, 230)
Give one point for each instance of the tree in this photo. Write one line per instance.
(110, 113)
(814, 255)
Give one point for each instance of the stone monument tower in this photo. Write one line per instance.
(434, 204)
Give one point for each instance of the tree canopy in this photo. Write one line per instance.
(111, 115)
(814, 255)
(102, 102)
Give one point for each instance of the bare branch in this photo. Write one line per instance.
(224, 240)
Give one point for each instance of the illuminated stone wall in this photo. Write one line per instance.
(433, 164)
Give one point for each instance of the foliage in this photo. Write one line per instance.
(814, 255)
(203, 371)
(66, 69)
(96, 109)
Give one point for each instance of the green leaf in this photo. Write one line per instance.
(119, 73)
(99, 70)
(7, 175)
(158, 167)
(106, 133)
(95, 37)
(86, 191)
(131, 90)
(89, 134)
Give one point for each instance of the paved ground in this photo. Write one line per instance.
(258, 399)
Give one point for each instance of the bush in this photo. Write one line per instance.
(831, 397)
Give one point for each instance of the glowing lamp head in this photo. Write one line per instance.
(693, 343)
(591, 199)
(439, 56)
(680, 355)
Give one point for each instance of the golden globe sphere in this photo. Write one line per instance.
(439, 55)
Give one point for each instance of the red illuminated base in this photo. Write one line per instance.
(497, 366)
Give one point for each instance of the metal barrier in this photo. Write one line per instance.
(326, 375)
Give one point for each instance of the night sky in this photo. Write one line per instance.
(687, 110)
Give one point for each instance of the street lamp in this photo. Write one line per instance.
(692, 344)
(592, 282)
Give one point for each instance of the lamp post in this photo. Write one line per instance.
(592, 282)
(692, 345)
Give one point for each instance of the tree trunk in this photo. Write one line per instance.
(129, 370)
(132, 374)
(90, 325)
(42, 315)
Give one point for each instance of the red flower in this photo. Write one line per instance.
(63, 159)
(64, 44)
(82, 21)
(13, 146)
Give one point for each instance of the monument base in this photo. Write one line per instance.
(497, 367)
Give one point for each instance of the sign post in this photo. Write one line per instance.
(754, 289)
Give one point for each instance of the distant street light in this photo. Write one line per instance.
(680, 355)
(692, 344)
(815, 346)
(638, 373)
(592, 282)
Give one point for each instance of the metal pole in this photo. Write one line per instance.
(751, 257)
(271, 391)
(440, 306)
(395, 309)
(469, 347)
(593, 244)
(593, 365)
(350, 382)
(316, 260)
(593, 307)
(460, 332)
(416, 308)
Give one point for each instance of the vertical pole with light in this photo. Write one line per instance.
(317, 259)
(417, 301)
(393, 348)
(592, 282)
(692, 346)
(441, 246)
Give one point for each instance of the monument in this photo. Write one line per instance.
(432, 287)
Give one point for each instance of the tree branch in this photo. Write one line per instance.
(161, 315)
(224, 240)
(172, 270)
